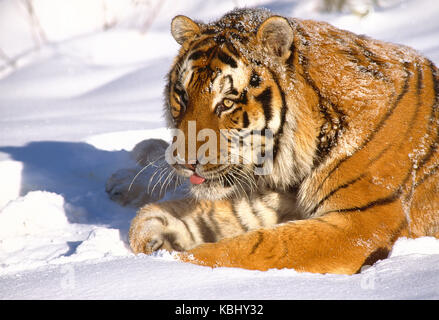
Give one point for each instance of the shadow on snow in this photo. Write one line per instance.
(78, 172)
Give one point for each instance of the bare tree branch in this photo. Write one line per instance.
(38, 33)
(152, 15)
(107, 23)
(9, 61)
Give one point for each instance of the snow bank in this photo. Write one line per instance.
(35, 230)
(420, 246)
(38, 212)
(159, 277)
(40, 228)
(126, 140)
(10, 171)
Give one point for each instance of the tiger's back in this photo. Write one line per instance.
(380, 101)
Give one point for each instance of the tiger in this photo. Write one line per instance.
(355, 125)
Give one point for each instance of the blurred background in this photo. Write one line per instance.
(138, 29)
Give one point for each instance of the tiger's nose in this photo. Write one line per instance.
(191, 166)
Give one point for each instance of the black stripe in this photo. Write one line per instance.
(304, 37)
(375, 130)
(352, 181)
(328, 223)
(284, 102)
(378, 202)
(291, 58)
(206, 232)
(381, 201)
(255, 80)
(196, 55)
(427, 175)
(214, 222)
(363, 66)
(265, 99)
(419, 86)
(243, 97)
(179, 91)
(420, 80)
(204, 73)
(434, 71)
(233, 92)
(238, 109)
(188, 229)
(201, 43)
(342, 186)
(257, 243)
(238, 217)
(371, 66)
(220, 108)
(433, 116)
(241, 38)
(253, 211)
(211, 52)
(220, 39)
(191, 79)
(435, 105)
(372, 57)
(433, 147)
(168, 89)
(209, 31)
(324, 105)
(245, 120)
(283, 113)
(232, 49)
(225, 58)
(178, 64)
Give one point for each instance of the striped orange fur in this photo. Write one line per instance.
(356, 135)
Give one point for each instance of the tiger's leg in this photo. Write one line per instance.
(184, 224)
(334, 243)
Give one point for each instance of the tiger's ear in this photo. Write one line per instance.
(276, 35)
(183, 28)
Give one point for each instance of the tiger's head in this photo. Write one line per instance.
(226, 83)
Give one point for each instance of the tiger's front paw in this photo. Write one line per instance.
(120, 188)
(147, 181)
(153, 229)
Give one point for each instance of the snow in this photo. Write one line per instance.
(73, 109)
(412, 276)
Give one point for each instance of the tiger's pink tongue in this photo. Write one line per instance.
(196, 179)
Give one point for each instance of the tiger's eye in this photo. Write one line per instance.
(227, 103)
